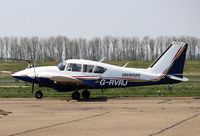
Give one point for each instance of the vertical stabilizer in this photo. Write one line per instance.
(172, 61)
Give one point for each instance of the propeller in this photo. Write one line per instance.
(33, 87)
(33, 84)
(33, 66)
(29, 66)
(13, 59)
(6, 72)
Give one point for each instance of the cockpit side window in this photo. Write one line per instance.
(88, 68)
(61, 66)
(99, 70)
(74, 67)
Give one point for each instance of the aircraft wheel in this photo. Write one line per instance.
(169, 87)
(38, 94)
(85, 94)
(76, 95)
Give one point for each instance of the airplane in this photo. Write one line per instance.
(76, 74)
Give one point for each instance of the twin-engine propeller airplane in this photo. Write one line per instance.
(76, 74)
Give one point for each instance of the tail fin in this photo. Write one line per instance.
(171, 62)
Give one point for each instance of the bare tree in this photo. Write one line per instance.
(113, 48)
(106, 42)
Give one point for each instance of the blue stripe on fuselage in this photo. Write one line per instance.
(114, 83)
(25, 78)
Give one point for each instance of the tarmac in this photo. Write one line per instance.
(158, 116)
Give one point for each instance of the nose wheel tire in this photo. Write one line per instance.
(85, 94)
(38, 94)
(76, 95)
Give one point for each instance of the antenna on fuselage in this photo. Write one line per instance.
(102, 60)
(126, 64)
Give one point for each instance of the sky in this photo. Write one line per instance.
(92, 18)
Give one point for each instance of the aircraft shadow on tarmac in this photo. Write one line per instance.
(96, 99)
(4, 113)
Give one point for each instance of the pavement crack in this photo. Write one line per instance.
(58, 124)
(164, 101)
(174, 125)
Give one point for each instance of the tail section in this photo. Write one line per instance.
(171, 62)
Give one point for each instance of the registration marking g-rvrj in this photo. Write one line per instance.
(113, 82)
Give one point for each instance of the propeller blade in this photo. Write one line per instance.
(6, 72)
(34, 74)
(32, 87)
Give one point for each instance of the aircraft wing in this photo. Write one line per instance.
(57, 77)
(65, 79)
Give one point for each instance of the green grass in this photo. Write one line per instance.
(190, 88)
(16, 66)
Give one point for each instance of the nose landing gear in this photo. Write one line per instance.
(38, 94)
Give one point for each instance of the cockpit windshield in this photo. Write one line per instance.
(61, 66)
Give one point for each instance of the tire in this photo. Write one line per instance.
(76, 95)
(38, 94)
(86, 94)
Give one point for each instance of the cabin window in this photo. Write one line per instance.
(88, 68)
(61, 66)
(74, 67)
(99, 69)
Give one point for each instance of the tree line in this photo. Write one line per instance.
(111, 48)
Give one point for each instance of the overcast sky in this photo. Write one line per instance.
(90, 18)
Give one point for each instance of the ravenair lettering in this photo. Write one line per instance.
(113, 82)
(131, 74)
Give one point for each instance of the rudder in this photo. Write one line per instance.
(172, 61)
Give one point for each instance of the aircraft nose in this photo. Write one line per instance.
(18, 74)
(23, 75)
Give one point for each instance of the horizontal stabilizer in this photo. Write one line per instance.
(177, 78)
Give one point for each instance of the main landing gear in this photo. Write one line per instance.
(75, 95)
(85, 94)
